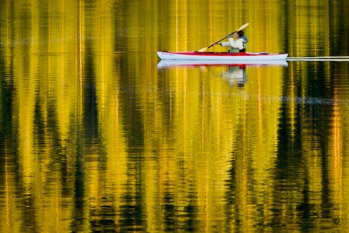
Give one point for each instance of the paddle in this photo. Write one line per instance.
(241, 28)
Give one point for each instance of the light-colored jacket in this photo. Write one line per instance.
(238, 44)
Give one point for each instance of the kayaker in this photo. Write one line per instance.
(238, 45)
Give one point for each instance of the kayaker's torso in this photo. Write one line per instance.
(236, 45)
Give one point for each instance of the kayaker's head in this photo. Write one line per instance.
(240, 34)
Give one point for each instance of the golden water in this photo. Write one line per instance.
(94, 137)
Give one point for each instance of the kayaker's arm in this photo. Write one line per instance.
(233, 43)
(225, 44)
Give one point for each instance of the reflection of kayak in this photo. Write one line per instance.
(193, 63)
(221, 56)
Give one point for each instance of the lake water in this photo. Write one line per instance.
(98, 136)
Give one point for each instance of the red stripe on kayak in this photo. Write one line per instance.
(241, 66)
(223, 54)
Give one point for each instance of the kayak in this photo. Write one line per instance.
(248, 56)
(203, 62)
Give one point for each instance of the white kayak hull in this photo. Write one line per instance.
(195, 63)
(221, 56)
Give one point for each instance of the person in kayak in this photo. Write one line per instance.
(238, 45)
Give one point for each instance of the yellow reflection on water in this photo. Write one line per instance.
(95, 138)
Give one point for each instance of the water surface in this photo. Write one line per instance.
(96, 137)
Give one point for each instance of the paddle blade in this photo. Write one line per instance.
(202, 50)
(243, 27)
